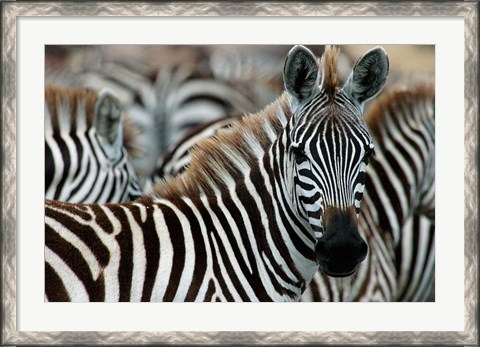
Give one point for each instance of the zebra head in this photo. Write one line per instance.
(329, 146)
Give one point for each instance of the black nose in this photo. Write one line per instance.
(341, 248)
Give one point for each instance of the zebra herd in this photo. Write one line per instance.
(325, 194)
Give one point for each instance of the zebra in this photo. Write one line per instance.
(398, 207)
(131, 82)
(399, 231)
(86, 158)
(261, 206)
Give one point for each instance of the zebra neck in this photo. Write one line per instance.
(292, 227)
(242, 206)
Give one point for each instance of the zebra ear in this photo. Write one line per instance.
(368, 76)
(108, 116)
(300, 74)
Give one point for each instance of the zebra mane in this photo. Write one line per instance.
(229, 154)
(57, 97)
(328, 63)
(397, 103)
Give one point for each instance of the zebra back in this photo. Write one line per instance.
(86, 159)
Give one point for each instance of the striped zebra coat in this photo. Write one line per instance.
(133, 86)
(398, 209)
(261, 205)
(86, 158)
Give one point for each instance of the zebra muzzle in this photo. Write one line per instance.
(341, 248)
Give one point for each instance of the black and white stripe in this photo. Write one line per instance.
(166, 100)
(396, 220)
(232, 227)
(190, 96)
(408, 182)
(85, 157)
(132, 82)
(398, 209)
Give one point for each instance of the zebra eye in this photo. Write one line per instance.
(299, 154)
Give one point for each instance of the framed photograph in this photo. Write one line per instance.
(437, 40)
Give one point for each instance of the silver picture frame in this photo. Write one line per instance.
(11, 11)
